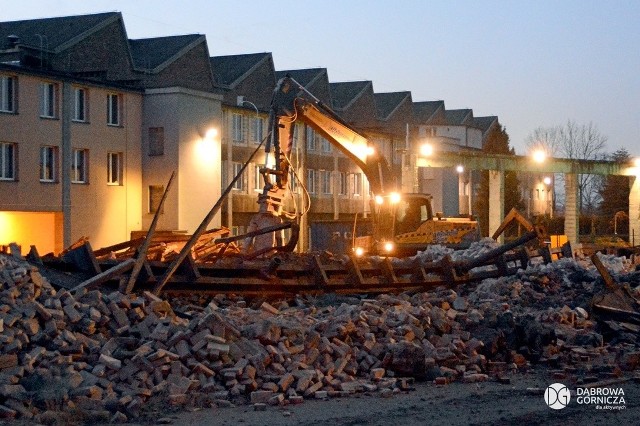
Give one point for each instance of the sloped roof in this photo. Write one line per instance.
(229, 70)
(156, 53)
(485, 123)
(54, 34)
(423, 111)
(345, 93)
(457, 116)
(388, 103)
(306, 77)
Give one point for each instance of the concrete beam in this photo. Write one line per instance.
(634, 210)
(571, 209)
(496, 202)
(481, 161)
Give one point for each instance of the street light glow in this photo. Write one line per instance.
(539, 156)
(426, 150)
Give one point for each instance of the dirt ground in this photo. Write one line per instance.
(489, 403)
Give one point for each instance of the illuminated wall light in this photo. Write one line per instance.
(370, 150)
(394, 197)
(379, 199)
(211, 133)
(460, 168)
(547, 180)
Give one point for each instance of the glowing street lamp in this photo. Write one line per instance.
(426, 150)
(539, 156)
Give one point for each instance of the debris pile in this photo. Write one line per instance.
(108, 356)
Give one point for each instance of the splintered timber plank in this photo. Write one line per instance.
(142, 250)
(107, 275)
(83, 259)
(319, 272)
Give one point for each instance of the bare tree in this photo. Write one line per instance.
(546, 139)
(577, 142)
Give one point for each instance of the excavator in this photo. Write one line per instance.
(402, 223)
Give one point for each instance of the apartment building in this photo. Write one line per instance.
(93, 124)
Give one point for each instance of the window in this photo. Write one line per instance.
(311, 139)
(113, 109)
(325, 181)
(80, 104)
(357, 183)
(326, 146)
(79, 164)
(8, 161)
(48, 163)
(114, 168)
(257, 184)
(311, 181)
(237, 124)
(239, 184)
(256, 129)
(293, 182)
(343, 183)
(155, 196)
(296, 136)
(48, 104)
(7, 93)
(156, 141)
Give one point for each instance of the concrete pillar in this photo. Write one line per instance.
(634, 210)
(496, 201)
(571, 212)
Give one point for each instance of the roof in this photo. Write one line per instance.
(388, 103)
(423, 111)
(457, 116)
(154, 53)
(306, 77)
(345, 93)
(230, 70)
(54, 34)
(485, 123)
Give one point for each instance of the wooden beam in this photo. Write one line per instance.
(186, 249)
(107, 275)
(142, 250)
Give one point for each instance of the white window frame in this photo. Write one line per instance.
(7, 93)
(114, 102)
(48, 163)
(344, 184)
(239, 184)
(80, 104)
(114, 168)
(8, 160)
(311, 181)
(325, 182)
(293, 182)
(237, 127)
(357, 184)
(80, 166)
(310, 135)
(326, 145)
(257, 129)
(257, 187)
(48, 100)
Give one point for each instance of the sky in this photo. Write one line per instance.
(530, 63)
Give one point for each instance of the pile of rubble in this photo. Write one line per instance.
(108, 356)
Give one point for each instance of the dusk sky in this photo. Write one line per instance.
(532, 64)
